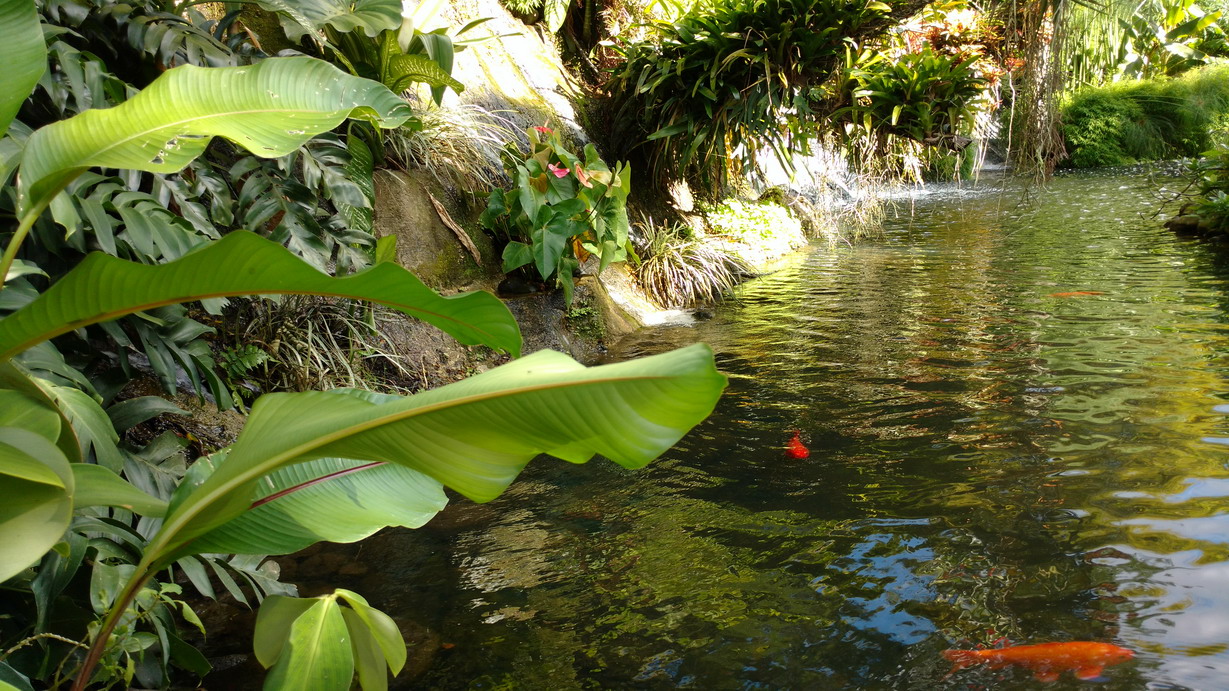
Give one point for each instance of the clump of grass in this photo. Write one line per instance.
(679, 267)
(459, 145)
(316, 343)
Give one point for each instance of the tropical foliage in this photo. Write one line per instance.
(713, 89)
(927, 97)
(562, 209)
(94, 524)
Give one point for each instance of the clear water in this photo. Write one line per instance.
(987, 461)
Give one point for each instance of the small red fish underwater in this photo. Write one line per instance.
(795, 449)
(1046, 660)
(1076, 294)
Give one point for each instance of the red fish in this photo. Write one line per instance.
(1076, 294)
(795, 449)
(1046, 660)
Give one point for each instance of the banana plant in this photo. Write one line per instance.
(310, 466)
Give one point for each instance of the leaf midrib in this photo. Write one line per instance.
(272, 463)
(100, 317)
(230, 113)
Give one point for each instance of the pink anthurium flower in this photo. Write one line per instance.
(583, 176)
(559, 171)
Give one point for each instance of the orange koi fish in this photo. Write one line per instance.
(1046, 660)
(1076, 294)
(795, 449)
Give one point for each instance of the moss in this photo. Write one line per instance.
(585, 319)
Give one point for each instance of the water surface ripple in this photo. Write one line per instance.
(989, 459)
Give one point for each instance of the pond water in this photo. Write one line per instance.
(989, 459)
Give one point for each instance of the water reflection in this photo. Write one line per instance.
(1009, 409)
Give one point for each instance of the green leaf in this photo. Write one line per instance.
(98, 486)
(382, 628)
(516, 255)
(372, 16)
(555, 12)
(368, 659)
(317, 654)
(26, 412)
(128, 414)
(102, 287)
(359, 170)
(270, 109)
(90, 424)
(188, 657)
(273, 622)
(37, 486)
(473, 436)
(24, 268)
(404, 70)
(386, 249)
(106, 582)
(328, 499)
(23, 54)
(11, 679)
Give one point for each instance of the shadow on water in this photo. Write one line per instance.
(989, 458)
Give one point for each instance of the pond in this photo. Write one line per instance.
(1011, 412)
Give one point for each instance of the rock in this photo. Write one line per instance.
(425, 245)
(1187, 224)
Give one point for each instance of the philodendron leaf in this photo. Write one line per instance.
(328, 499)
(317, 653)
(103, 287)
(23, 54)
(37, 486)
(473, 436)
(98, 486)
(270, 109)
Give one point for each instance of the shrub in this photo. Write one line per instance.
(726, 81)
(562, 209)
(1146, 120)
(926, 96)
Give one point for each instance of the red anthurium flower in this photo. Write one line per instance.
(583, 177)
(559, 171)
(544, 129)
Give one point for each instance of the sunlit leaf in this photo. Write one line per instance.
(317, 654)
(473, 436)
(23, 55)
(104, 287)
(270, 109)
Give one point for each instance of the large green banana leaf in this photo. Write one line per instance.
(23, 55)
(473, 436)
(269, 109)
(329, 499)
(103, 287)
